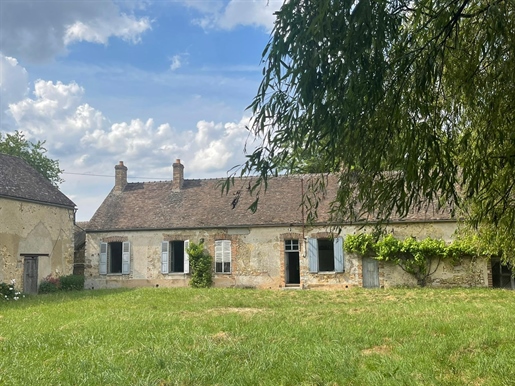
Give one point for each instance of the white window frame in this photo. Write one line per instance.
(223, 256)
(105, 256)
(166, 255)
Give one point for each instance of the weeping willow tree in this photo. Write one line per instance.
(413, 102)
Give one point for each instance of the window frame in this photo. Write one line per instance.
(105, 256)
(166, 257)
(223, 255)
(314, 258)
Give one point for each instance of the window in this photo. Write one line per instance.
(291, 245)
(115, 258)
(325, 255)
(223, 256)
(174, 257)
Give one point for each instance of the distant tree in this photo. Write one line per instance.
(34, 153)
(413, 102)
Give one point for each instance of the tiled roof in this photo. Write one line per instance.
(200, 204)
(19, 180)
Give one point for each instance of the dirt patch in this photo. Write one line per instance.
(237, 310)
(382, 349)
(221, 336)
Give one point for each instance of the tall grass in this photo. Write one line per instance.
(245, 337)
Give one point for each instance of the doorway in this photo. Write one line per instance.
(30, 274)
(502, 275)
(292, 264)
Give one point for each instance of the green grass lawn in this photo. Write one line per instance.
(189, 336)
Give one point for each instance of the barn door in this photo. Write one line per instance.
(370, 273)
(30, 275)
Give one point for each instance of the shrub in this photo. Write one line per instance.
(8, 291)
(49, 285)
(201, 266)
(72, 282)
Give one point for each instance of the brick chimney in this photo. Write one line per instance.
(178, 175)
(120, 179)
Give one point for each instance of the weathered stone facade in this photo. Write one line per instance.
(29, 228)
(258, 259)
(269, 248)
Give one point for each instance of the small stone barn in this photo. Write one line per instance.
(36, 226)
(139, 235)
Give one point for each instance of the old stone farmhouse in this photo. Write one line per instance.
(36, 226)
(139, 235)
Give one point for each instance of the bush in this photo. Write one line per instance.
(47, 287)
(201, 266)
(72, 282)
(63, 283)
(8, 291)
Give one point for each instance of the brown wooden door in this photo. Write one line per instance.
(30, 275)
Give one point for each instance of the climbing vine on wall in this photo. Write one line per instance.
(201, 266)
(419, 258)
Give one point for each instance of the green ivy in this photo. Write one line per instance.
(413, 256)
(201, 266)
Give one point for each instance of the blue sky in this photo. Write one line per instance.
(144, 82)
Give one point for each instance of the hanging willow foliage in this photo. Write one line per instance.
(410, 102)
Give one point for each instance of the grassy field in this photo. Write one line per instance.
(247, 337)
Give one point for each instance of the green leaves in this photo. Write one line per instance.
(413, 256)
(411, 103)
(34, 153)
(201, 266)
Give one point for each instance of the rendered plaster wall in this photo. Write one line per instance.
(254, 261)
(469, 273)
(258, 258)
(35, 229)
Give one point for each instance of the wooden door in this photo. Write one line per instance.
(370, 273)
(30, 275)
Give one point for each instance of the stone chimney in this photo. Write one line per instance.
(178, 175)
(120, 179)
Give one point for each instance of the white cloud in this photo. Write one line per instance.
(86, 142)
(176, 62)
(100, 30)
(39, 30)
(257, 13)
(216, 145)
(13, 84)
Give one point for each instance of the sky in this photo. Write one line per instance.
(144, 82)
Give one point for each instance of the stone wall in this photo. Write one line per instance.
(31, 228)
(258, 258)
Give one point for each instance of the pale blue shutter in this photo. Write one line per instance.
(126, 258)
(164, 256)
(102, 264)
(313, 255)
(186, 257)
(339, 264)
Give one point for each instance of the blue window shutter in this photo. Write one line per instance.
(126, 258)
(164, 256)
(313, 255)
(186, 257)
(102, 264)
(339, 265)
